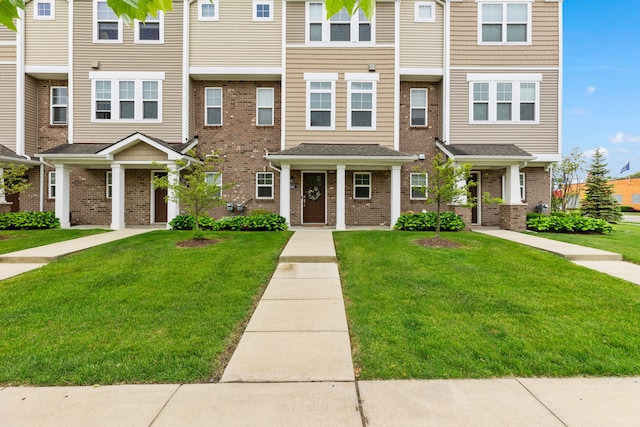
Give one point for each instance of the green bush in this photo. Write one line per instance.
(426, 221)
(28, 221)
(560, 222)
(627, 209)
(255, 222)
(182, 222)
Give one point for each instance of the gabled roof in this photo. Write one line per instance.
(485, 153)
(9, 156)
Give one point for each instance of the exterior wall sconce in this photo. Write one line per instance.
(372, 67)
(292, 183)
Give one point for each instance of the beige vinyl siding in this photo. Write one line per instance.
(338, 60)
(7, 53)
(539, 138)
(31, 115)
(8, 105)
(46, 41)
(6, 35)
(296, 21)
(421, 43)
(235, 40)
(141, 152)
(544, 50)
(127, 56)
(385, 22)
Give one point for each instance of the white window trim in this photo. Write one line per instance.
(95, 26)
(52, 106)
(214, 106)
(321, 77)
(515, 79)
(522, 180)
(51, 193)
(373, 106)
(109, 185)
(271, 106)
(361, 186)
(411, 186)
(426, 107)
(504, 22)
(416, 15)
(216, 16)
(326, 28)
(271, 186)
(217, 180)
(51, 17)
(136, 30)
(255, 10)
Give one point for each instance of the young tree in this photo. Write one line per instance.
(193, 186)
(448, 183)
(598, 201)
(13, 179)
(567, 177)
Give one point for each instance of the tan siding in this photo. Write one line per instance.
(236, 40)
(539, 138)
(7, 53)
(421, 43)
(141, 152)
(465, 50)
(127, 56)
(385, 22)
(6, 35)
(295, 22)
(350, 60)
(46, 41)
(31, 115)
(8, 105)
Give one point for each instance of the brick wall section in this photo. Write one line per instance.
(491, 182)
(88, 201)
(5, 207)
(513, 217)
(375, 211)
(240, 143)
(137, 198)
(537, 187)
(464, 212)
(49, 136)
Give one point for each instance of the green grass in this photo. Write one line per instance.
(490, 308)
(17, 240)
(625, 240)
(139, 310)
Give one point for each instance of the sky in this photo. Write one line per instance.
(601, 83)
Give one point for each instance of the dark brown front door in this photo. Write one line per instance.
(160, 205)
(15, 199)
(475, 191)
(313, 198)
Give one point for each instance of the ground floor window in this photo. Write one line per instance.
(419, 186)
(214, 178)
(109, 185)
(264, 185)
(362, 185)
(52, 185)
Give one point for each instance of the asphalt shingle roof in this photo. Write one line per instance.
(509, 150)
(6, 152)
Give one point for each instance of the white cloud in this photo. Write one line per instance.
(590, 90)
(620, 137)
(589, 153)
(578, 112)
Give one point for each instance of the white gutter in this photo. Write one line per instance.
(20, 79)
(70, 85)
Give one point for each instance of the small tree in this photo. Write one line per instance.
(194, 186)
(567, 178)
(448, 183)
(598, 201)
(13, 179)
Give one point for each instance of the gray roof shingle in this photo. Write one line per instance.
(341, 150)
(508, 150)
(6, 152)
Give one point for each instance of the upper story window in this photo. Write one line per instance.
(125, 96)
(58, 105)
(504, 22)
(208, 10)
(496, 98)
(213, 106)
(341, 27)
(264, 106)
(44, 9)
(425, 12)
(321, 100)
(361, 100)
(263, 10)
(419, 107)
(107, 27)
(150, 31)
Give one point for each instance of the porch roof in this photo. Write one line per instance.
(486, 154)
(7, 155)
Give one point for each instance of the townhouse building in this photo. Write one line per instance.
(331, 121)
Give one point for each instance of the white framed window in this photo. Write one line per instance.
(504, 98)
(107, 27)
(418, 104)
(208, 10)
(58, 114)
(44, 9)
(263, 10)
(339, 28)
(109, 184)
(504, 22)
(425, 11)
(362, 185)
(213, 106)
(264, 106)
(521, 184)
(419, 183)
(264, 185)
(321, 100)
(151, 30)
(52, 184)
(214, 178)
(126, 96)
(361, 105)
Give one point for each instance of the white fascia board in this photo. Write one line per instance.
(343, 160)
(134, 75)
(19, 161)
(134, 139)
(235, 71)
(422, 72)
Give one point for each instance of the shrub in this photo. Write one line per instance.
(569, 223)
(261, 212)
(627, 209)
(28, 221)
(182, 222)
(426, 221)
(254, 222)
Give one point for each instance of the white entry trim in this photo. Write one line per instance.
(324, 194)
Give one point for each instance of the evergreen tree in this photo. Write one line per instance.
(598, 201)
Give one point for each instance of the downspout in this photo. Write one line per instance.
(42, 165)
(447, 70)
(396, 79)
(70, 85)
(283, 78)
(186, 35)
(20, 82)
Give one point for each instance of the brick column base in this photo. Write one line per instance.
(5, 207)
(464, 212)
(513, 217)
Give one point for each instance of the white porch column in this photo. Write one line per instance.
(512, 184)
(340, 199)
(173, 208)
(395, 194)
(2, 199)
(285, 192)
(62, 195)
(117, 197)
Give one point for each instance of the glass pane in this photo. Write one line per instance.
(527, 92)
(418, 193)
(491, 13)
(59, 96)
(315, 32)
(127, 109)
(265, 97)
(149, 90)
(262, 11)
(418, 98)
(320, 101)
(150, 110)
(208, 10)
(361, 119)
(59, 115)
(517, 13)
(418, 117)
(342, 16)
(481, 91)
(418, 179)
(264, 192)
(127, 90)
(108, 31)
(214, 97)
(362, 86)
(362, 179)
(103, 110)
(527, 111)
(214, 116)
(105, 12)
(321, 118)
(361, 101)
(265, 116)
(517, 32)
(480, 111)
(44, 9)
(315, 12)
(364, 33)
(321, 85)
(362, 192)
(504, 111)
(424, 12)
(150, 31)
(340, 32)
(503, 91)
(491, 32)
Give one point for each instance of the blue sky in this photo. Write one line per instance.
(601, 93)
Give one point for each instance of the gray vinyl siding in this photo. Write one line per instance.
(46, 41)
(421, 43)
(8, 105)
(541, 138)
(31, 115)
(127, 56)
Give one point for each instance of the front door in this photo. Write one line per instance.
(313, 198)
(159, 203)
(475, 192)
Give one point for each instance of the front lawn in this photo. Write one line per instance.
(490, 308)
(139, 310)
(17, 240)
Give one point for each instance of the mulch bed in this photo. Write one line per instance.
(200, 243)
(433, 242)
